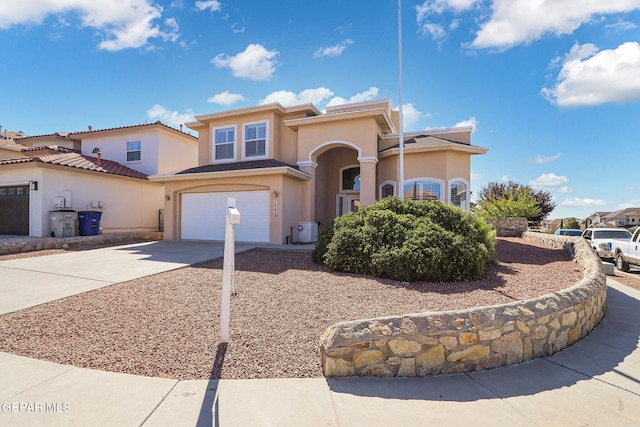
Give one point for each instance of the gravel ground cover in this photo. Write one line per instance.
(167, 325)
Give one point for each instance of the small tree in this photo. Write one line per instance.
(572, 223)
(513, 197)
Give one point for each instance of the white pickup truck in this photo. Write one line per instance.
(602, 240)
(627, 253)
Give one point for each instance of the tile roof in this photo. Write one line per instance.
(226, 167)
(142, 125)
(423, 141)
(73, 159)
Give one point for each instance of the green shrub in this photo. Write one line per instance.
(408, 241)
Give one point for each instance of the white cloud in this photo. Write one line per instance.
(621, 25)
(565, 189)
(411, 115)
(629, 204)
(332, 50)
(288, 98)
(471, 121)
(120, 24)
(425, 16)
(577, 201)
(170, 118)
(542, 160)
(210, 5)
(226, 98)
(367, 95)
(589, 77)
(514, 22)
(254, 63)
(504, 178)
(548, 180)
(630, 188)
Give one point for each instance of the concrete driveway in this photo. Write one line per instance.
(28, 282)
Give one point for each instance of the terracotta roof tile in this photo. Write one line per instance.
(73, 159)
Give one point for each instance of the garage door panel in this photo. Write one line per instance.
(203, 216)
(14, 210)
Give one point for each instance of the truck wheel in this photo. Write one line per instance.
(622, 264)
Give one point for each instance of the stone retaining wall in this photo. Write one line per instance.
(468, 340)
(28, 244)
(508, 227)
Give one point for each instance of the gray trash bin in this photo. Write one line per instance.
(64, 223)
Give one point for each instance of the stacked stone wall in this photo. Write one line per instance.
(508, 227)
(475, 339)
(29, 244)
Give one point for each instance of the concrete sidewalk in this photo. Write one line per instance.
(594, 382)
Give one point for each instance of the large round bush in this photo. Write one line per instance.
(408, 241)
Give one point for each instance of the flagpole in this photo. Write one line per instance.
(400, 118)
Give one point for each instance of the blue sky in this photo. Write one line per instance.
(551, 87)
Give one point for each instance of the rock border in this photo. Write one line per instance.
(433, 343)
(30, 244)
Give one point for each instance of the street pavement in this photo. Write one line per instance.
(595, 382)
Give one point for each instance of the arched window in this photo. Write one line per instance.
(387, 189)
(458, 196)
(423, 189)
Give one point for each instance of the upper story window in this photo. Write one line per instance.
(134, 151)
(224, 143)
(350, 179)
(423, 190)
(255, 140)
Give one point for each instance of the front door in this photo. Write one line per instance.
(346, 203)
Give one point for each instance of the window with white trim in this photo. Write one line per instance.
(255, 140)
(134, 151)
(620, 221)
(423, 190)
(458, 195)
(387, 189)
(350, 179)
(224, 143)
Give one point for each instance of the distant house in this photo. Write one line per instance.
(293, 169)
(624, 218)
(102, 170)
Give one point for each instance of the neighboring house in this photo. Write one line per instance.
(59, 139)
(9, 148)
(108, 174)
(291, 169)
(627, 218)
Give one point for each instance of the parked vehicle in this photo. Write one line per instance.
(569, 232)
(627, 253)
(602, 240)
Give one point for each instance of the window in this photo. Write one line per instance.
(134, 151)
(224, 144)
(387, 189)
(458, 195)
(255, 140)
(350, 179)
(422, 190)
(620, 221)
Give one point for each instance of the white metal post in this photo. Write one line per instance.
(233, 218)
(401, 114)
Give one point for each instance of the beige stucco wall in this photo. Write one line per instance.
(316, 138)
(162, 150)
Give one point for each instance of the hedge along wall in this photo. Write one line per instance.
(508, 227)
(468, 340)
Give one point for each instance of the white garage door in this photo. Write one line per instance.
(203, 216)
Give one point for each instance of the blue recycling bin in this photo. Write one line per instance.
(89, 223)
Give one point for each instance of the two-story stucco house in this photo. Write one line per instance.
(292, 169)
(104, 170)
